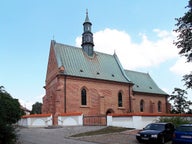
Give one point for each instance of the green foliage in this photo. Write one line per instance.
(36, 108)
(188, 80)
(180, 102)
(175, 120)
(184, 40)
(7, 134)
(10, 113)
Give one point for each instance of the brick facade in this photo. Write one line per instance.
(63, 95)
(65, 80)
(150, 103)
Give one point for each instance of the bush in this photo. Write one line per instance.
(7, 134)
(175, 120)
(10, 113)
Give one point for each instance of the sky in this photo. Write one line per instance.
(140, 32)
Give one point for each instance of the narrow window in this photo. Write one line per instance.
(120, 100)
(159, 106)
(141, 105)
(83, 97)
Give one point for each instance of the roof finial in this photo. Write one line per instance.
(87, 17)
(86, 12)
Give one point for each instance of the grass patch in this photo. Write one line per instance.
(106, 130)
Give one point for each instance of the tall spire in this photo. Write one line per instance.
(87, 37)
(87, 17)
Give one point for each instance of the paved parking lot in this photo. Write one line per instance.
(62, 135)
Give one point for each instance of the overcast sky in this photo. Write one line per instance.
(140, 32)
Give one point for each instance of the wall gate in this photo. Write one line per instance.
(94, 120)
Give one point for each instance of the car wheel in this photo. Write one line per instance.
(162, 140)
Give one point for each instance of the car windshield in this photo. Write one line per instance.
(155, 127)
(184, 128)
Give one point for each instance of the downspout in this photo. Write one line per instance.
(130, 102)
(166, 97)
(65, 94)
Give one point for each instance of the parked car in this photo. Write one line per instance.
(156, 133)
(183, 134)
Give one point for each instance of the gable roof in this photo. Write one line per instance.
(77, 63)
(143, 83)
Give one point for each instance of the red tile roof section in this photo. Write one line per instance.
(70, 114)
(150, 114)
(36, 115)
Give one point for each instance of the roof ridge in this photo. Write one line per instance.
(68, 45)
(121, 68)
(137, 72)
(81, 48)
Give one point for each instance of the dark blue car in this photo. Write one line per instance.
(156, 133)
(183, 134)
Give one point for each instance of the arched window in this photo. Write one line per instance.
(159, 106)
(120, 100)
(83, 97)
(141, 105)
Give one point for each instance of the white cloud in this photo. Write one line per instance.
(181, 67)
(132, 55)
(28, 103)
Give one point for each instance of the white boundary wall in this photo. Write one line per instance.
(35, 121)
(76, 119)
(45, 120)
(137, 122)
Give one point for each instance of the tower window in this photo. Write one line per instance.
(83, 97)
(159, 106)
(120, 100)
(141, 105)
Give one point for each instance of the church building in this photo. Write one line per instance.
(95, 83)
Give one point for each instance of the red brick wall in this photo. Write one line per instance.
(101, 96)
(150, 103)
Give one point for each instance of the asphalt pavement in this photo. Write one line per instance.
(62, 135)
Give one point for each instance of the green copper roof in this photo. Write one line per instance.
(87, 17)
(77, 63)
(143, 83)
(101, 66)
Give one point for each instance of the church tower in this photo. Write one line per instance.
(87, 37)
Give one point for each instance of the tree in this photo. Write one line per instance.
(180, 102)
(10, 113)
(36, 108)
(184, 40)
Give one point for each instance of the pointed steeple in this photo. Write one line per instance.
(87, 37)
(87, 17)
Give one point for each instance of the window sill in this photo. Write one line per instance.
(121, 108)
(84, 106)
